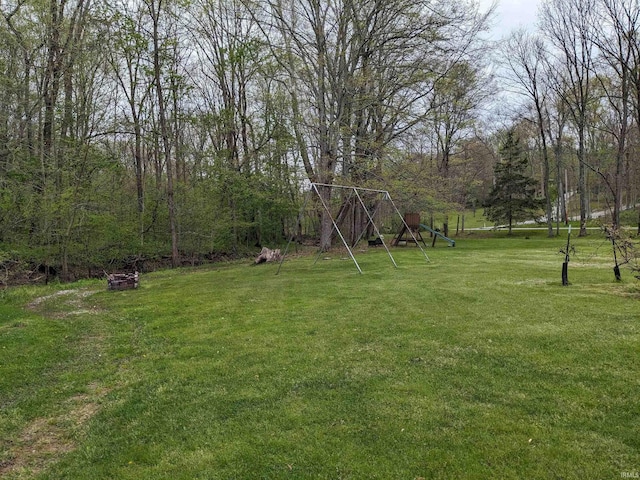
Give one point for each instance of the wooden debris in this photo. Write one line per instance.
(122, 281)
(268, 255)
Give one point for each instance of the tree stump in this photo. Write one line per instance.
(268, 255)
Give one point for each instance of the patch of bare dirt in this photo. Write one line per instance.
(43, 441)
(40, 300)
(65, 303)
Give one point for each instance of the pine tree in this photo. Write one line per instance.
(512, 198)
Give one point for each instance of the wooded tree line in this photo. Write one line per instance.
(132, 129)
(580, 72)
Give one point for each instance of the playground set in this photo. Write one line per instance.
(410, 225)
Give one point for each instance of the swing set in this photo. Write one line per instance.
(355, 194)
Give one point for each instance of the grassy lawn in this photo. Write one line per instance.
(478, 364)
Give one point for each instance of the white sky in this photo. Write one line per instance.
(509, 15)
(512, 14)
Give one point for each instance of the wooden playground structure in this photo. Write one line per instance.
(409, 230)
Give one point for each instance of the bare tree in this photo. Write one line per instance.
(455, 102)
(556, 113)
(525, 54)
(568, 24)
(128, 56)
(157, 10)
(228, 51)
(615, 35)
(628, 13)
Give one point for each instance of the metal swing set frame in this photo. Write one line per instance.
(353, 191)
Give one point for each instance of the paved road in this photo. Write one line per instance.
(593, 215)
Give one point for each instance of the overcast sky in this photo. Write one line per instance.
(512, 14)
(509, 15)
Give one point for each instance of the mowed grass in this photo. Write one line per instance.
(478, 364)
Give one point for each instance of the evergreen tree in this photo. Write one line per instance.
(512, 197)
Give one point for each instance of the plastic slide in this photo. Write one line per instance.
(438, 234)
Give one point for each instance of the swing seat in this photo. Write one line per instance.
(376, 242)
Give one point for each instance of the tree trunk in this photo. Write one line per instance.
(326, 225)
(582, 183)
(164, 129)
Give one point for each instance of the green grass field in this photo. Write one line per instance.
(478, 364)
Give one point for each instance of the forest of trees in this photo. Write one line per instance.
(183, 130)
